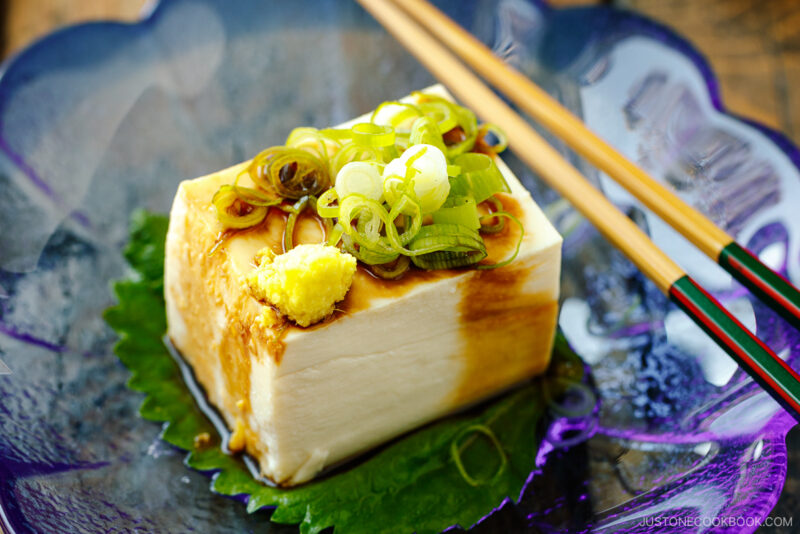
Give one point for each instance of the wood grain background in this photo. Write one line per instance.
(753, 45)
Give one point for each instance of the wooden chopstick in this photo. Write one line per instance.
(753, 356)
(772, 288)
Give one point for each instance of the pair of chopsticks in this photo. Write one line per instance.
(405, 19)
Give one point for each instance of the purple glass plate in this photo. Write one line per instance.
(100, 119)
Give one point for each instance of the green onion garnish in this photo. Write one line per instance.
(500, 223)
(312, 140)
(459, 210)
(455, 453)
(421, 172)
(502, 140)
(480, 175)
(233, 212)
(393, 271)
(519, 242)
(424, 131)
(446, 246)
(351, 152)
(372, 135)
(288, 230)
(464, 119)
(290, 172)
(442, 112)
(362, 177)
(395, 114)
(402, 188)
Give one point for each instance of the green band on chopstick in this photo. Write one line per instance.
(769, 286)
(752, 355)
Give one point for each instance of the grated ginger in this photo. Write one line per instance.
(305, 283)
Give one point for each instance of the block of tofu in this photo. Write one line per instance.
(395, 355)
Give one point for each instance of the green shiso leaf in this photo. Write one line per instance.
(410, 485)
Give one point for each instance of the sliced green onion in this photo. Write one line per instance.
(502, 139)
(453, 170)
(446, 246)
(235, 213)
(482, 176)
(394, 114)
(498, 226)
(393, 271)
(327, 224)
(360, 177)
(290, 172)
(295, 212)
(425, 132)
(424, 169)
(398, 175)
(447, 259)
(254, 197)
(459, 210)
(401, 143)
(465, 119)
(235, 204)
(335, 234)
(451, 237)
(336, 134)
(369, 218)
(364, 221)
(455, 453)
(460, 186)
(288, 230)
(442, 113)
(519, 242)
(412, 221)
(372, 135)
(469, 124)
(376, 254)
(354, 152)
(310, 139)
(325, 204)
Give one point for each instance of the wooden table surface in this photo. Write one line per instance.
(753, 47)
